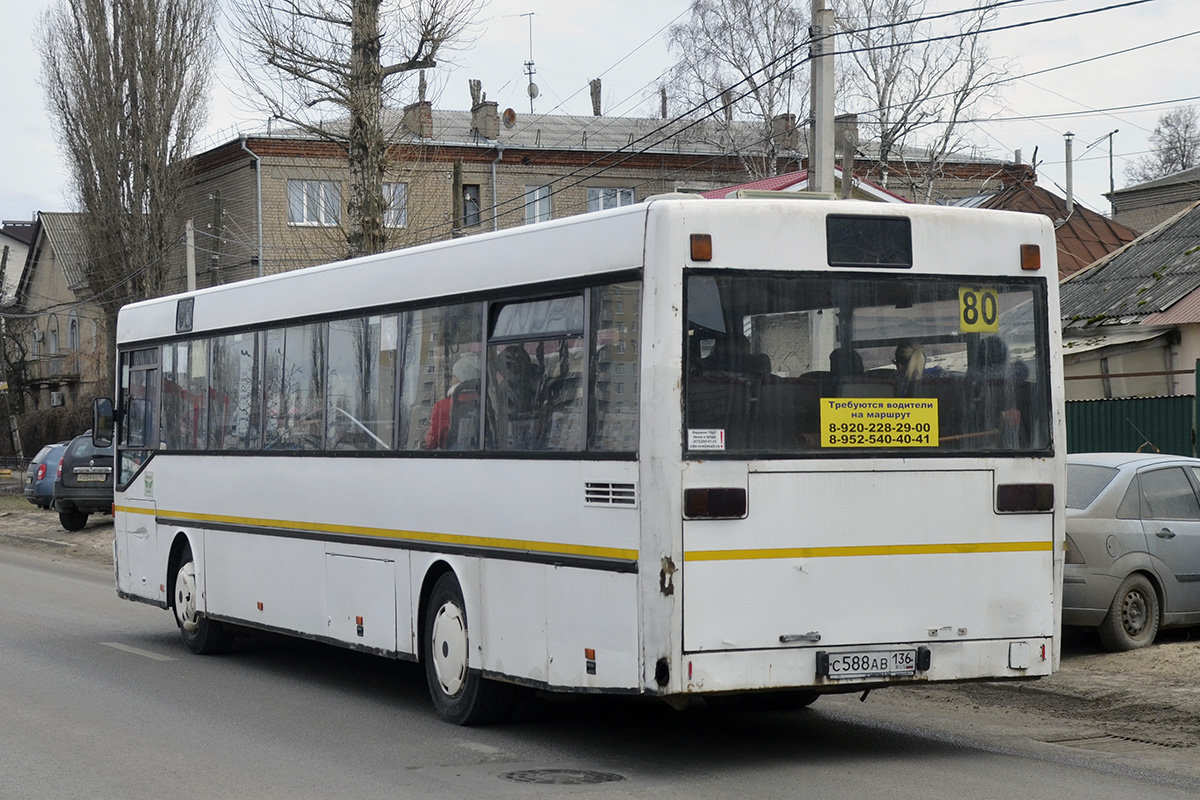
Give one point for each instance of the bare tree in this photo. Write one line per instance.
(906, 80)
(740, 62)
(303, 56)
(126, 81)
(1175, 146)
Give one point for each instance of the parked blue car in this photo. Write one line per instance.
(39, 477)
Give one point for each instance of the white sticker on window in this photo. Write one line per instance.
(706, 439)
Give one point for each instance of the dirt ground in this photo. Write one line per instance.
(1143, 700)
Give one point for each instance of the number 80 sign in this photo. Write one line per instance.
(978, 310)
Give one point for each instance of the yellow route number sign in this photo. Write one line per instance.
(879, 422)
(978, 310)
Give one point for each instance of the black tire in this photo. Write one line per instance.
(72, 520)
(460, 694)
(201, 635)
(777, 700)
(1132, 619)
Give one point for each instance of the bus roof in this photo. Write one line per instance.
(579, 246)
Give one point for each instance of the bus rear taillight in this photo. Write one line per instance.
(1031, 256)
(1018, 497)
(714, 503)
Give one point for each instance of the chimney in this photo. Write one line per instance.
(662, 95)
(1017, 157)
(418, 119)
(594, 83)
(485, 120)
(727, 104)
(1070, 139)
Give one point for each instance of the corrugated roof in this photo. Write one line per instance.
(1184, 176)
(64, 231)
(1145, 278)
(610, 134)
(1082, 239)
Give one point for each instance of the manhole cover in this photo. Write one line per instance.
(562, 777)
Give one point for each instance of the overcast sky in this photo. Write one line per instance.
(621, 41)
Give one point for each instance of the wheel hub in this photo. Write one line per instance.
(449, 651)
(185, 598)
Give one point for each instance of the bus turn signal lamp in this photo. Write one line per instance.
(1018, 497)
(1031, 256)
(714, 503)
(701, 247)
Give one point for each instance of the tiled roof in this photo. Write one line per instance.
(1142, 283)
(1083, 238)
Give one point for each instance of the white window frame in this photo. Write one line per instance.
(537, 204)
(602, 197)
(395, 201)
(314, 203)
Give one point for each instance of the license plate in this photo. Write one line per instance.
(872, 663)
(91, 478)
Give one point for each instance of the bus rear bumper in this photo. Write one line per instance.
(808, 667)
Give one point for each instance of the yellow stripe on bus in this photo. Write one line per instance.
(950, 548)
(388, 533)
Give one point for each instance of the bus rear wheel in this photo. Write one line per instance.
(201, 635)
(460, 694)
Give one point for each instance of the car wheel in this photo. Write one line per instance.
(72, 520)
(201, 635)
(459, 693)
(1132, 619)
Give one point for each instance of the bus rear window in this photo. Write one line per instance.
(868, 241)
(846, 365)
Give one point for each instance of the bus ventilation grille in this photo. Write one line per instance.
(610, 494)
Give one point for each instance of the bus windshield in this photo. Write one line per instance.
(836, 364)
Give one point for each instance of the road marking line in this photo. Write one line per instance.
(145, 653)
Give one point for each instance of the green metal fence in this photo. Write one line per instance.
(1129, 423)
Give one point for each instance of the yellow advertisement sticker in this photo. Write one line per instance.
(879, 422)
(978, 310)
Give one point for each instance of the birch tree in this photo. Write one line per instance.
(126, 84)
(306, 57)
(910, 87)
(739, 62)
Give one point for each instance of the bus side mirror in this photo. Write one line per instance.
(102, 422)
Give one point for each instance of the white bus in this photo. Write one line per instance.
(740, 449)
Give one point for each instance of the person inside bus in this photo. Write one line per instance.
(730, 354)
(909, 361)
(513, 386)
(1001, 386)
(453, 412)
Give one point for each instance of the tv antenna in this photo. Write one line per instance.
(532, 89)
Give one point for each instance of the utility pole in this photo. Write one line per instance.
(821, 151)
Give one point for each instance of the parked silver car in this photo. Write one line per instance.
(1133, 545)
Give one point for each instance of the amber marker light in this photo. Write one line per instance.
(701, 247)
(1031, 256)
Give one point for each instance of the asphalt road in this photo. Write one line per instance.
(98, 699)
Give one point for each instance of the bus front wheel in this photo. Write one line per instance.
(201, 635)
(460, 694)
